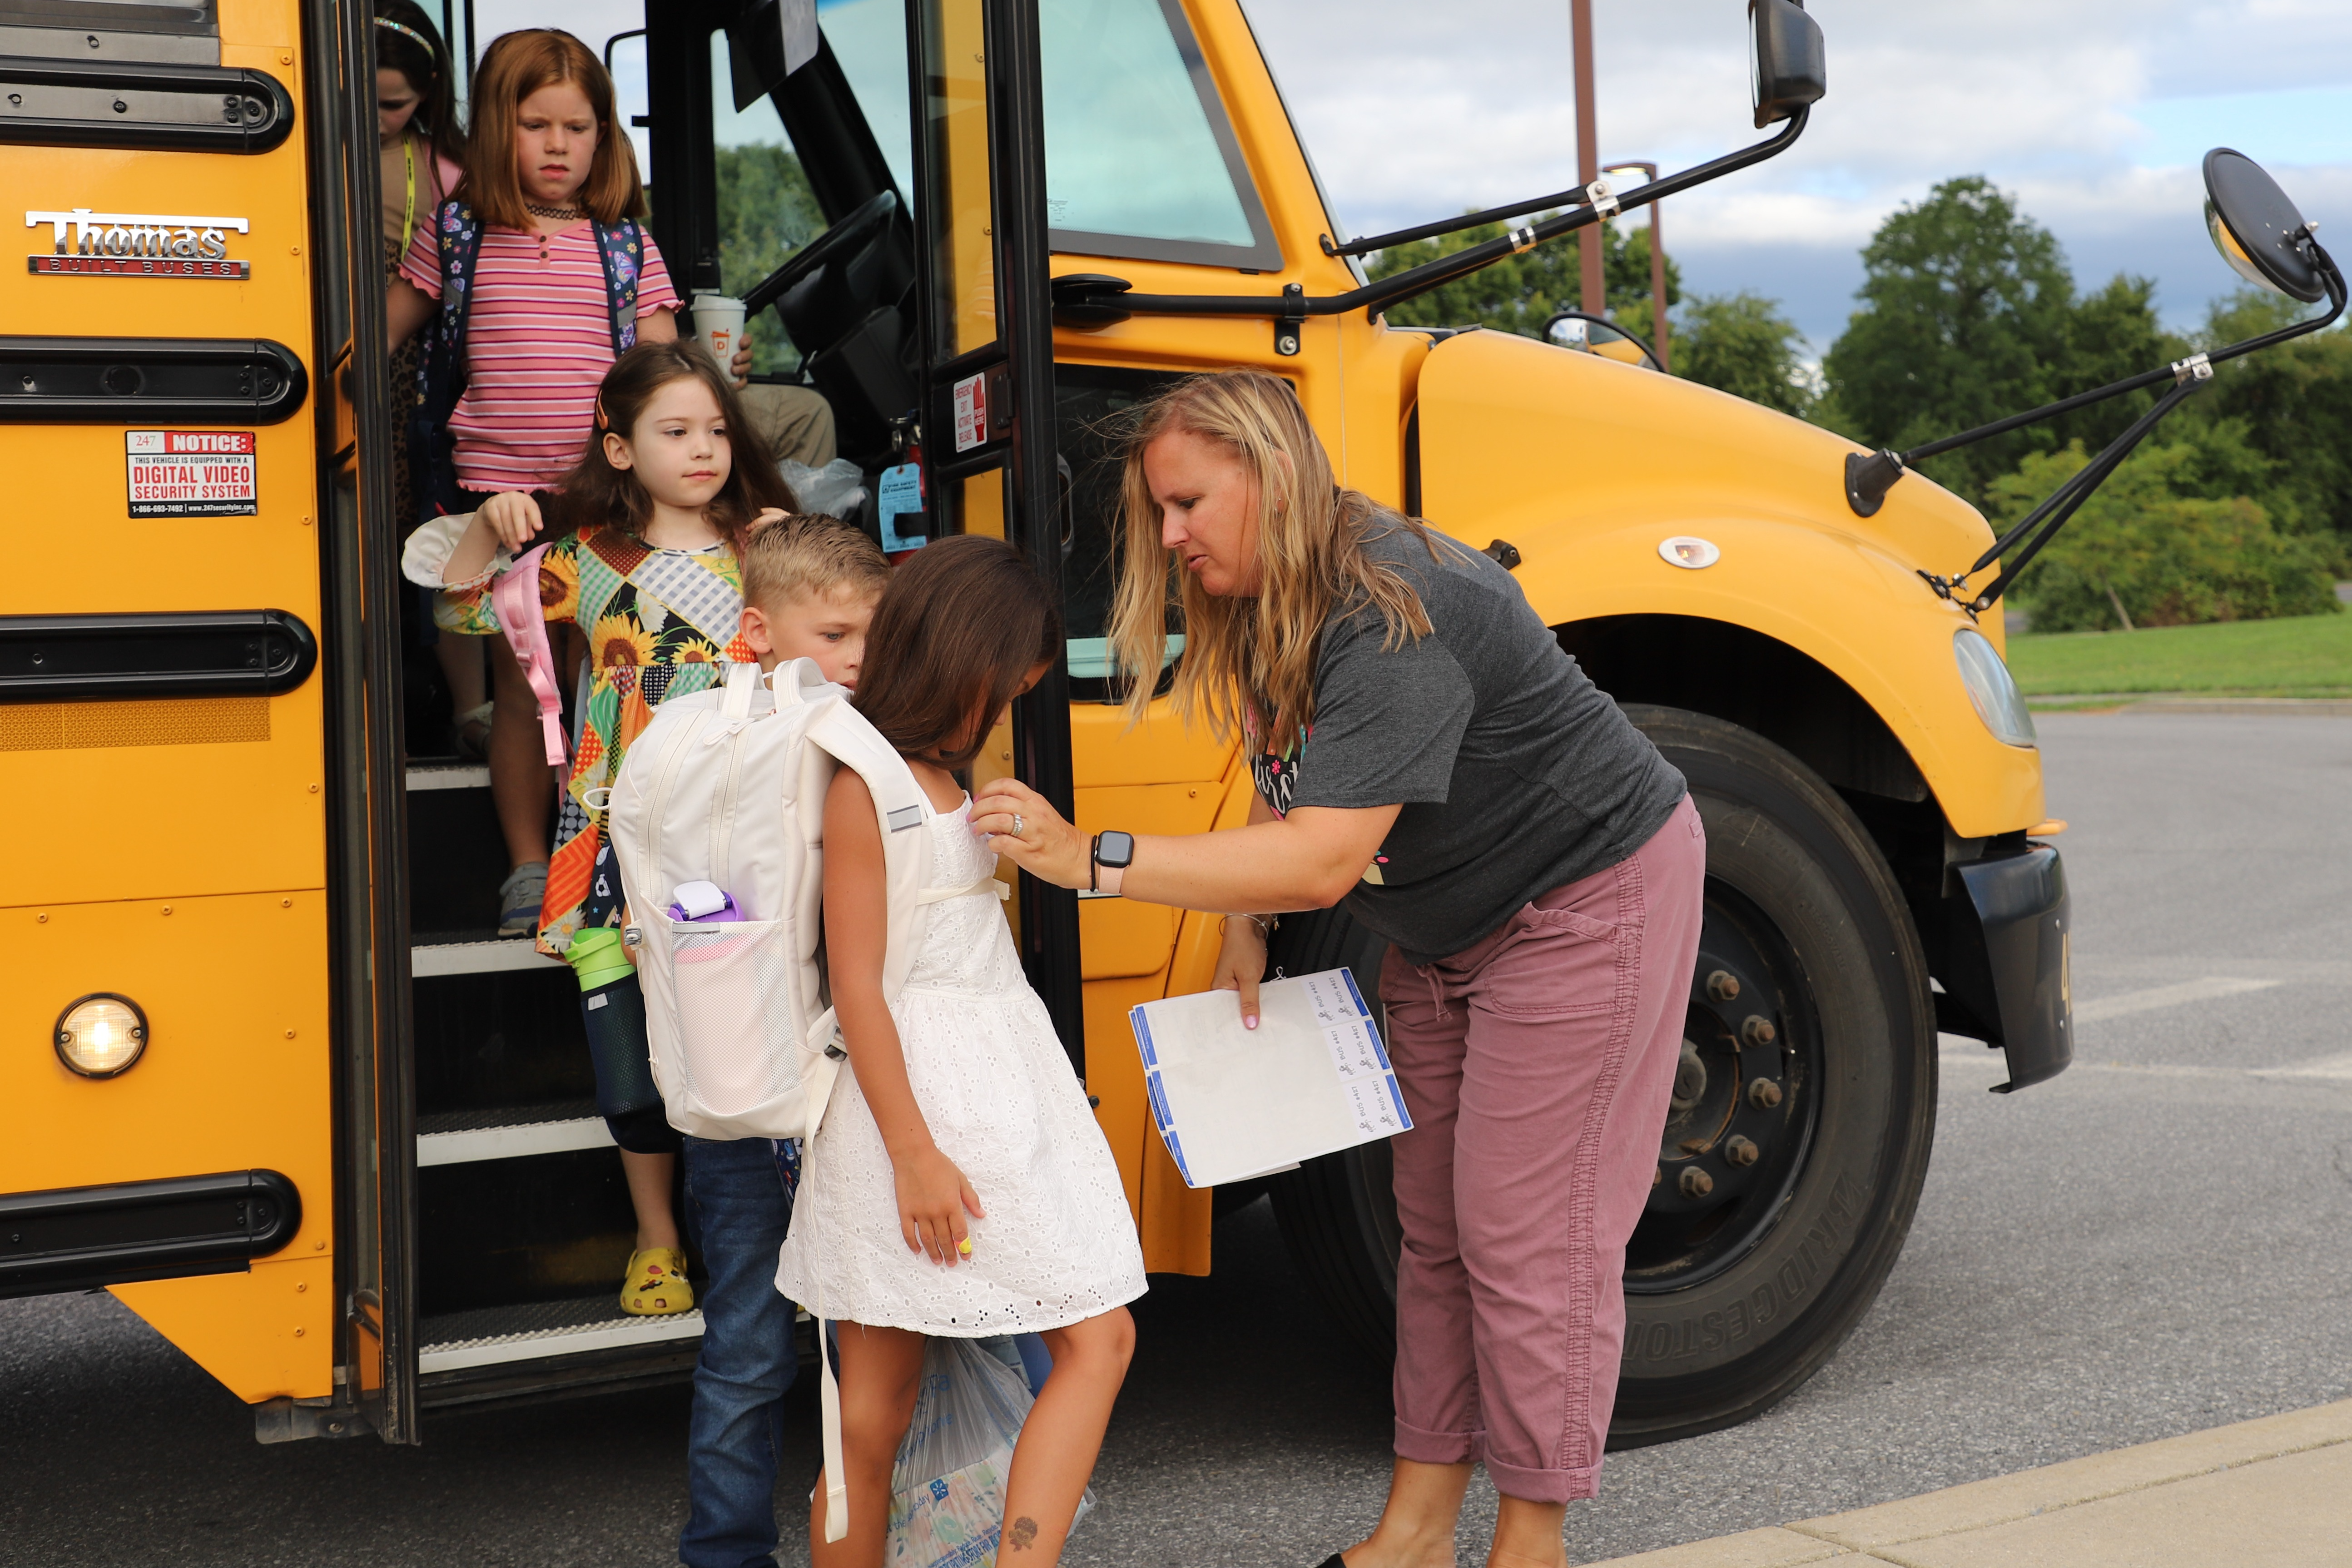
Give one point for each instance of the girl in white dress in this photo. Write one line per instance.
(959, 1184)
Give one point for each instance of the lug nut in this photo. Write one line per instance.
(1696, 1183)
(1723, 986)
(1763, 1094)
(1759, 1031)
(1740, 1151)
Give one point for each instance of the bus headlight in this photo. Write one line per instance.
(1997, 701)
(102, 1036)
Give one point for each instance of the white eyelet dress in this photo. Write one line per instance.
(1059, 1245)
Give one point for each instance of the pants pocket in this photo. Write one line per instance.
(1559, 964)
(732, 986)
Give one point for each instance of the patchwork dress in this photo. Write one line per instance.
(659, 623)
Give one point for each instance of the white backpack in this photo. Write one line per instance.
(728, 786)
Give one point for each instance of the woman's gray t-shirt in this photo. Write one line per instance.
(1517, 773)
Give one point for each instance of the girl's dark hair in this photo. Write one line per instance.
(959, 627)
(515, 66)
(596, 494)
(418, 53)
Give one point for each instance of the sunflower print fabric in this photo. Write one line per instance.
(658, 623)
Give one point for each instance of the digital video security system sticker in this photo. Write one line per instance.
(191, 473)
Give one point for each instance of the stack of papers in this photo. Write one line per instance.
(1232, 1103)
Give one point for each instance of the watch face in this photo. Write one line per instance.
(1118, 849)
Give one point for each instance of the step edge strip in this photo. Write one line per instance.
(496, 1350)
(477, 1144)
(431, 961)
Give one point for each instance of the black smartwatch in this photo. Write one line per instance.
(1114, 849)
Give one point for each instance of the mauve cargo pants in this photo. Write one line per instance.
(1537, 1066)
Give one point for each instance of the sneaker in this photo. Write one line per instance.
(520, 897)
(657, 1286)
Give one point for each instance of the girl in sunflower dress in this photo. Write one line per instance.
(643, 561)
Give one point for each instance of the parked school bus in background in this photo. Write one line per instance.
(348, 1161)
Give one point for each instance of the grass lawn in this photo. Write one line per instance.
(2303, 656)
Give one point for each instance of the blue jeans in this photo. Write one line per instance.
(738, 1202)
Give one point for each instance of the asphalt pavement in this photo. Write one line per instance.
(2150, 1246)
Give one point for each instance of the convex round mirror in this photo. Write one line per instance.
(1592, 335)
(2256, 228)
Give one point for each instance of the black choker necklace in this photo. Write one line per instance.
(570, 214)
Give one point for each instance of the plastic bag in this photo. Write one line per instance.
(947, 1488)
(837, 489)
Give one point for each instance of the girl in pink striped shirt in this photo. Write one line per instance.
(551, 186)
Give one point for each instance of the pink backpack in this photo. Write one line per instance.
(515, 596)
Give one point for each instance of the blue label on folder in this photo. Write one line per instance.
(1142, 1027)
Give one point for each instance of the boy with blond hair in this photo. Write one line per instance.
(810, 585)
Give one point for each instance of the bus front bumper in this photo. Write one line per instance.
(2008, 927)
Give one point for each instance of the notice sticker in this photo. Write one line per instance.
(971, 412)
(191, 473)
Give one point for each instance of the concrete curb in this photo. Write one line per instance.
(2272, 1491)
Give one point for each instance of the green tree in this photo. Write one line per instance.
(1966, 309)
(2291, 404)
(1742, 344)
(766, 213)
(1519, 293)
(2156, 547)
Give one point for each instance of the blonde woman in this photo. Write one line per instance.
(1426, 753)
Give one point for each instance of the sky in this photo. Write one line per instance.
(2093, 113)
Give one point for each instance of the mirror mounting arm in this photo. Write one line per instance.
(1869, 476)
(1377, 295)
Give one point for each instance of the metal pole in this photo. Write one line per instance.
(1588, 151)
(1041, 721)
(1658, 286)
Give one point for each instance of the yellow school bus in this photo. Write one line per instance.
(272, 1081)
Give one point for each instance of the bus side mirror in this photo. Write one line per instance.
(1787, 63)
(2257, 229)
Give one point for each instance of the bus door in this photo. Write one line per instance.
(921, 314)
(875, 308)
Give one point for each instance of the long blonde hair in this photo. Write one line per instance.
(1249, 664)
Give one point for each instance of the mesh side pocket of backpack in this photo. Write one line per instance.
(733, 987)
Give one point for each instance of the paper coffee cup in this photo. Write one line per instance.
(718, 320)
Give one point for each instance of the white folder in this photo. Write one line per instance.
(1232, 1103)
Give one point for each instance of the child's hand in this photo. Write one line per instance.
(933, 1198)
(773, 514)
(513, 517)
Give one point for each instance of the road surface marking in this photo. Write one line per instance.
(2131, 1002)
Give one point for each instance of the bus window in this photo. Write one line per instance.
(870, 39)
(1139, 159)
(767, 211)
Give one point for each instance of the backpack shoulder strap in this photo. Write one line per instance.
(458, 235)
(621, 246)
(515, 596)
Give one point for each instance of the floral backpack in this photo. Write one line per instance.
(441, 377)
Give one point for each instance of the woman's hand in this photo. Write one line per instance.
(1241, 964)
(513, 517)
(739, 367)
(933, 1198)
(1047, 848)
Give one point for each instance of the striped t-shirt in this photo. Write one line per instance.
(539, 339)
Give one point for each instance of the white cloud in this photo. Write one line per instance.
(2082, 107)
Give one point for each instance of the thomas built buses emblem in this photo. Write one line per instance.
(139, 245)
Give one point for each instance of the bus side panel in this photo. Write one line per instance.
(172, 851)
(234, 1078)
